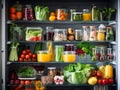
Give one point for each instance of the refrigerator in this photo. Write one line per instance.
(6, 66)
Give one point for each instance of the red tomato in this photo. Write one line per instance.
(28, 50)
(100, 81)
(99, 74)
(20, 60)
(34, 56)
(110, 81)
(27, 56)
(24, 52)
(105, 81)
(12, 10)
(22, 56)
(33, 39)
(27, 82)
(30, 54)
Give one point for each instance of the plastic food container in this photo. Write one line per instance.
(33, 34)
(69, 56)
(58, 53)
(77, 16)
(60, 35)
(43, 56)
(61, 14)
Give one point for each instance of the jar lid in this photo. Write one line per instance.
(51, 67)
(43, 52)
(77, 12)
(59, 46)
(69, 44)
(69, 52)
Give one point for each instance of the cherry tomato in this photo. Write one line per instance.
(20, 60)
(27, 56)
(30, 54)
(22, 82)
(105, 81)
(27, 82)
(110, 81)
(24, 52)
(100, 81)
(28, 50)
(34, 56)
(22, 56)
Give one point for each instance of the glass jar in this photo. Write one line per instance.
(69, 47)
(58, 53)
(102, 54)
(109, 33)
(49, 34)
(86, 33)
(93, 33)
(78, 34)
(69, 56)
(61, 14)
(28, 13)
(109, 54)
(77, 16)
(71, 14)
(43, 56)
(52, 71)
(87, 15)
(101, 33)
(60, 35)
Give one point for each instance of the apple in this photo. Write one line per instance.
(105, 81)
(110, 81)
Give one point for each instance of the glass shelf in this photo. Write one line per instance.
(84, 62)
(63, 42)
(66, 85)
(60, 22)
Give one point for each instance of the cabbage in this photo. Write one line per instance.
(77, 73)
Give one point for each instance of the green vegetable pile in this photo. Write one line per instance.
(26, 72)
(77, 73)
(41, 12)
(86, 47)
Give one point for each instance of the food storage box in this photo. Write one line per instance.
(60, 35)
(33, 34)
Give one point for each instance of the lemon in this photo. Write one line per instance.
(92, 81)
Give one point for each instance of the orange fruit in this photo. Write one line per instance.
(52, 14)
(52, 18)
(19, 15)
(12, 16)
(12, 10)
(27, 82)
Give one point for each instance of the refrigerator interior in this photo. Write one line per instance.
(69, 4)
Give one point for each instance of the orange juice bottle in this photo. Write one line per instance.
(87, 15)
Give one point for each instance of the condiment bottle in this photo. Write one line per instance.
(93, 33)
(109, 54)
(86, 15)
(109, 33)
(49, 34)
(101, 33)
(28, 13)
(86, 33)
